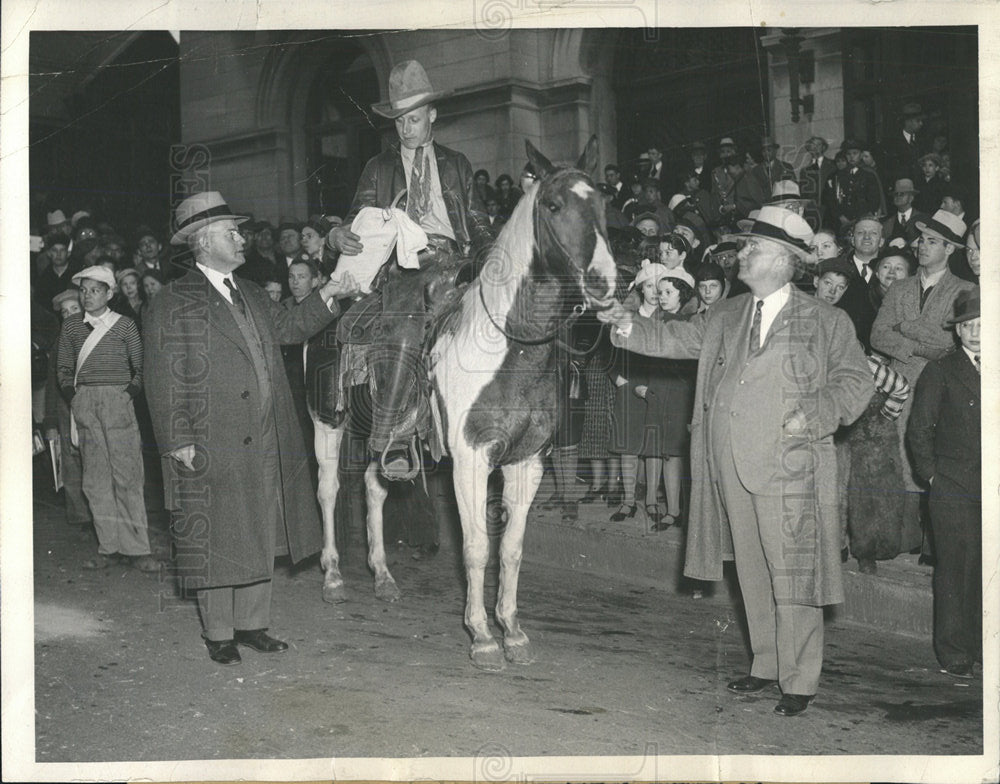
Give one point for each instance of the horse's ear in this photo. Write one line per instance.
(588, 158)
(543, 165)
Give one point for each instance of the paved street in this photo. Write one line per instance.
(121, 673)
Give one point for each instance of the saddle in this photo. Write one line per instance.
(394, 322)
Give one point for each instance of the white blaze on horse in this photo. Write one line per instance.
(493, 368)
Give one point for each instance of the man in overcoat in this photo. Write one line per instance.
(234, 464)
(778, 372)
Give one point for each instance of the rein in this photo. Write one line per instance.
(578, 309)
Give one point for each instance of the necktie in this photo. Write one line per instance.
(237, 298)
(979, 368)
(416, 202)
(924, 293)
(902, 221)
(755, 328)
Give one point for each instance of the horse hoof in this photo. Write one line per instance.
(387, 591)
(334, 594)
(519, 653)
(487, 658)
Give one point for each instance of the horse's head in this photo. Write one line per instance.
(570, 231)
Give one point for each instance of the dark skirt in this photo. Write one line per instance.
(597, 412)
(875, 491)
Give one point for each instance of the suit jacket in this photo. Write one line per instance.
(944, 428)
(909, 336)
(900, 157)
(857, 193)
(930, 193)
(383, 177)
(891, 228)
(766, 176)
(809, 360)
(856, 303)
(203, 390)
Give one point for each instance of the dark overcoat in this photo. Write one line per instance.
(203, 390)
(810, 360)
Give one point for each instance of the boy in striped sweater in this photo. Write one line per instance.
(99, 371)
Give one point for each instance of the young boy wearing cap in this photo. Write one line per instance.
(99, 370)
(944, 436)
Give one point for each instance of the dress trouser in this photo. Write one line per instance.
(786, 640)
(248, 606)
(956, 519)
(111, 454)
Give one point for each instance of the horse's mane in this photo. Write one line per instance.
(513, 248)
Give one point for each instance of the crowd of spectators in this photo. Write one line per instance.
(897, 241)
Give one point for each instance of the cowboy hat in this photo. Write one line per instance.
(409, 89)
(200, 210)
(946, 226)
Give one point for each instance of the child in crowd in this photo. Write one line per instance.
(99, 370)
(944, 435)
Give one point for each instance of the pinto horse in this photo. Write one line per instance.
(493, 366)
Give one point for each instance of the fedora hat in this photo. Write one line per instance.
(912, 110)
(726, 141)
(946, 226)
(852, 144)
(409, 89)
(200, 210)
(55, 218)
(966, 307)
(782, 226)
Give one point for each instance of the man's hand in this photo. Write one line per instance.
(185, 456)
(345, 241)
(616, 315)
(342, 285)
(795, 424)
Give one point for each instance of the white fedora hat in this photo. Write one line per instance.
(200, 210)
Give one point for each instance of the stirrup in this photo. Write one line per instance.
(414, 462)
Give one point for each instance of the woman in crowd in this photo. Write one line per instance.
(669, 396)
(633, 432)
(825, 245)
(895, 265)
(507, 195)
(152, 282)
(313, 239)
(130, 299)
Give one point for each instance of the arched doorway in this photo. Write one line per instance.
(340, 131)
(688, 84)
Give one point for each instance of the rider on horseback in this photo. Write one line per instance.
(439, 197)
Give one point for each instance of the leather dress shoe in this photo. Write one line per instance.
(260, 641)
(961, 670)
(793, 704)
(750, 685)
(223, 652)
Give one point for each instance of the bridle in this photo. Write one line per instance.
(578, 310)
